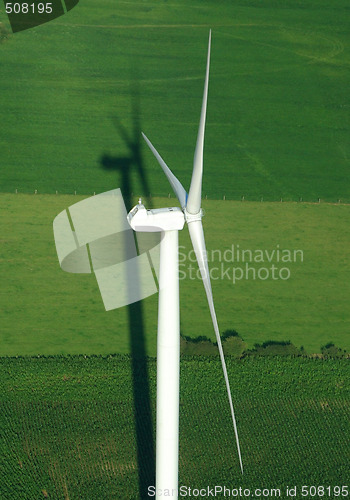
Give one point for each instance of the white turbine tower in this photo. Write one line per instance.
(169, 221)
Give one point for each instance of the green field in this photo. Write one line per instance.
(48, 311)
(69, 426)
(75, 94)
(278, 111)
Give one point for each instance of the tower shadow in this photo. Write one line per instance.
(124, 166)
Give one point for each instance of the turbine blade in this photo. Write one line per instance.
(178, 188)
(197, 237)
(195, 192)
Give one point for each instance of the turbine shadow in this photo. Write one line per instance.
(124, 166)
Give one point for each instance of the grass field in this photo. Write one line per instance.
(278, 115)
(75, 94)
(69, 426)
(48, 311)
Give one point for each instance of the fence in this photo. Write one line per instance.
(222, 197)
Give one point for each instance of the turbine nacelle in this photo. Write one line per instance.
(156, 220)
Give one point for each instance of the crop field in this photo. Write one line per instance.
(76, 92)
(68, 426)
(66, 315)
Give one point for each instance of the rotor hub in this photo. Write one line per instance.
(192, 217)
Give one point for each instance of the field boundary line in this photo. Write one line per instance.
(223, 197)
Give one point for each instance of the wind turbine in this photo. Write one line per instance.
(169, 221)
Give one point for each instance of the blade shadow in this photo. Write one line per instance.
(133, 161)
